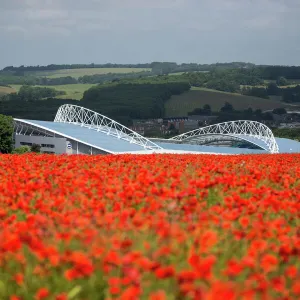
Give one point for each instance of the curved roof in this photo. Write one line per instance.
(77, 115)
(100, 132)
(98, 140)
(251, 131)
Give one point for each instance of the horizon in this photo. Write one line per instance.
(141, 63)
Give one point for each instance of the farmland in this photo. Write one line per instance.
(81, 72)
(73, 91)
(197, 97)
(149, 227)
(6, 90)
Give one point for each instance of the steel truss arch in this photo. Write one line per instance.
(240, 129)
(84, 117)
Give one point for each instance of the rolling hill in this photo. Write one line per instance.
(180, 105)
(81, 72)
(73, 91)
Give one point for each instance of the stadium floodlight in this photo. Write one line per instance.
(239, 129)
(84, 117)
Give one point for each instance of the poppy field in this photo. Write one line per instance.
(149, 227)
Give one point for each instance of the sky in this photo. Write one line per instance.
(41, 32)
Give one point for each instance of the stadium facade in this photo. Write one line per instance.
(77, 130)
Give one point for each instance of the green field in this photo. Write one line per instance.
(182, 104)
(73, 91)
(81, 72)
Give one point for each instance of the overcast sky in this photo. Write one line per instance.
(42, 32)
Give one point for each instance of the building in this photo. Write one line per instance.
(77, 130)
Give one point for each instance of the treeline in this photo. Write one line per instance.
(34, 110)
(288, 94)
(134, 100)
(221, 77)
(288, 133)
(97, 78)
(268, 72)
(29, 93)
(160, 67)
(31, 80)
(224, 80)
(122, 101)
(274, 72)
(102, 78)
(229, 113)
(54, 67)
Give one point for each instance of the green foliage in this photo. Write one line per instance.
(196, 98)
(288, 133)
(21, 150)
(281, 81)
(6, 134)
(122, 100)
(279, 111)
(29, 93)
(228, 113)
(102, 78)
(223, 85)
(160, 67)
(35, 148)
(34, 110)
(273, 90)
(255, 92)
(139, 99)
(273, 72)
(54, 67)
(224, 80)
(227, 107)
(291, 94)
(32, 80)
(205, 111)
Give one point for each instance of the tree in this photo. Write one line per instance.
(255, 92)
(267, 116)
(258, 112)
(21, 150)
(273, 89)
(227, 107)
(36, 148)
(206, 109)
(279, 111)
(6, 134)
(282, 81)
(248, 112)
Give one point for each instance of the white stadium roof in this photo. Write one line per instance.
(95, 130)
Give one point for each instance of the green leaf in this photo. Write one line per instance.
(74, 292)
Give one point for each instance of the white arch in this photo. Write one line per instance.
(81, 116)
(241, 129)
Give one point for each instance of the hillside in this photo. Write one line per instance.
(180, 105)
(82, 72)
(73, 91)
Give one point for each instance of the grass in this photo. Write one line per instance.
(85, 71)
(180, 105)
(73, 91)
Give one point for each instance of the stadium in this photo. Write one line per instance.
(77, 130)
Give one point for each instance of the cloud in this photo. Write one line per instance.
(230, 26)
(146, 15)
